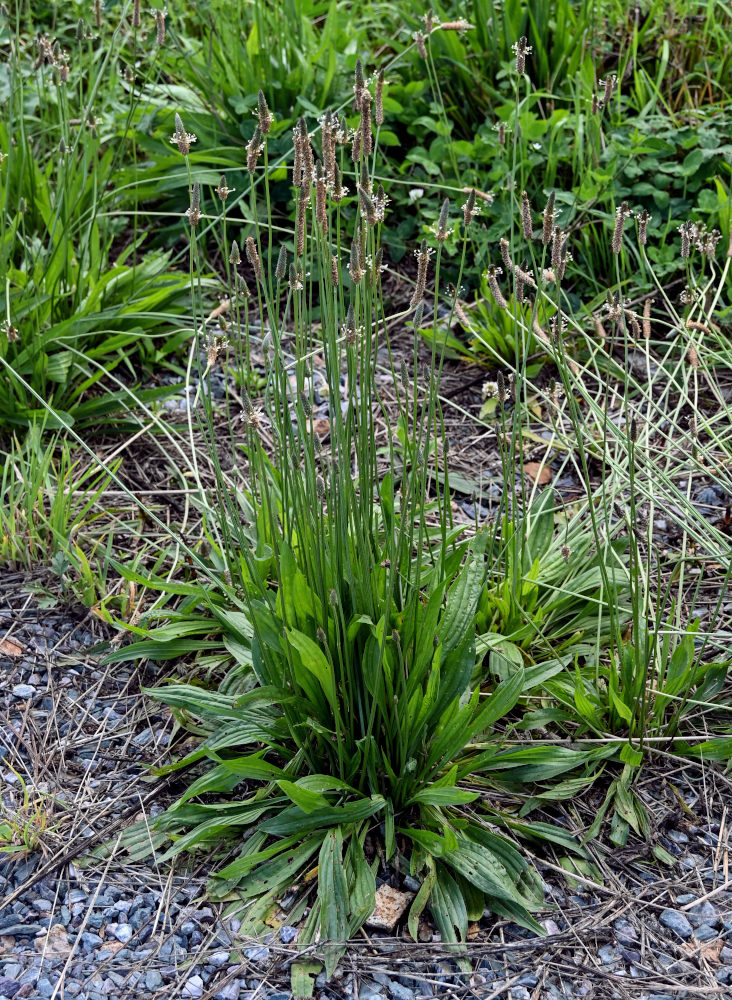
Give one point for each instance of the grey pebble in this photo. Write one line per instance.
(705, 933)
(153, 979)
(8, 987)
(370, 991)
(123, 933)
(400, 992)
(193, 987)
(702, 913)
(676, 922)
(608, 954)
(218, 959)
(23, 691)
(287, 934)
(42, 905)
(229, 992)
(257, 954)
(22, 930)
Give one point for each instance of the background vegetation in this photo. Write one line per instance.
(363, 652)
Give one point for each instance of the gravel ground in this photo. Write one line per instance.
(75, 739)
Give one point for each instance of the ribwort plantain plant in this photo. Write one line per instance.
(342, 736)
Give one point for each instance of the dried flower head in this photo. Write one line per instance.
(621, 214)
(136, 20)
(556, 254)
(181, 138)
(423, 258)
(302, 200)
(643, 219)
(419, 42)
(367, 137)
(10, 331)
(505, 248)
(502, 392)
(214, 346)
(253, 257)
(492, 276)
(160, 16)
(710, 243)
(548, 217)
(379, 99)
(328, 145)
(334, 273)
(647, 305)
(321, 213)
(526, 223)
(194, 212)
(456, 26)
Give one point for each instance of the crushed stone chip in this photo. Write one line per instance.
(389, 908)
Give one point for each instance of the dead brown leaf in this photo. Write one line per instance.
(9, 647)
(538, 473)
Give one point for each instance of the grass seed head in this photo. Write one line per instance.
(608, 85)
(302, 201)
(234, 255)
(643, 219)
(621, 214)
(194, 212)
(359, 85)
(321, 213)
(556, 255)
(367, 206)
(254, 148)
(423, 257)
(334, 273)
(521, 49)
(548, 220)
(469, 209)
(181, 138)
(379, 99)
(367, 137)
(419, 41)
(253, 258)
(505, 249)
(264, 116)
(492, 277)
(222, 190)
(160, 16)
(136, 20)
(281, 268)
(442, 231)
(354, 265)
(295, 278)
(526, 223)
